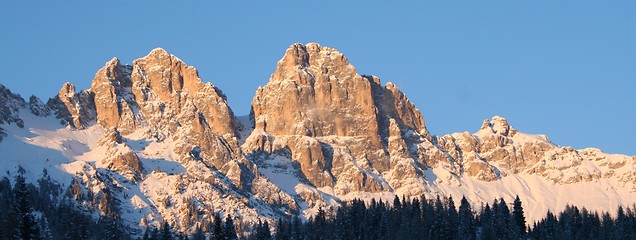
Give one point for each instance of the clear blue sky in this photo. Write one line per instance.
(563, 68)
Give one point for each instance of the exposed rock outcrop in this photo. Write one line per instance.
(158, 90)
(162, 94)
(73, 108)
(120, 157)
(348, 132)
(334, 121)
(38, 108)
(10, 105)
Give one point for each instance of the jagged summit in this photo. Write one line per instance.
(315, 92)
(10, 104)
(162, 96)
(158, 51)
(318, 59)
(329, 117)
(123, 94)
(498, 125)
(324, 95)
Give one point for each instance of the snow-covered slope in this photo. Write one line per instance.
(167, 146)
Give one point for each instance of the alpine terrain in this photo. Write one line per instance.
(165, 146)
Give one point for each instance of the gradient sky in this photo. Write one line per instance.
(562, 68)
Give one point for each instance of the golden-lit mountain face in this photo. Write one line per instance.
(168, 146)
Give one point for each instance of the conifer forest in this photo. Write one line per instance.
(46, 211)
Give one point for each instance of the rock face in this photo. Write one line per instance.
(350, 133)
(156, 109)
(315, 92)
(75, 109)
(329, 116)
(162, 95)
(498, 146)
(10, 107)
(38, 108)
(158, 90)
(120, 157)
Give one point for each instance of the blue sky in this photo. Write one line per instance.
(563, 68)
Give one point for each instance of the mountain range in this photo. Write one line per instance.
(168, 147)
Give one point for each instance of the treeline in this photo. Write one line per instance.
(438, 218)
(419, 218)
(45, 211)
(575, 223)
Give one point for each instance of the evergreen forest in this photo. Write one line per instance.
(46, 211)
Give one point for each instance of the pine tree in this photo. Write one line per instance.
(229, 230)
(520, 219)
(110, 228)
(198, 234)
(283, 230)
(622, 226)
(416, 218)
(342, 224)
(320, 224)
(428, 214)
(551, 227)
(154, 234)
(486, 223)
(27, 227)
(146, 235)
(452, 217)
(383, 229)
(267, 234)
(501, 219)
(217, 227)
(7, 222)
(45, 229)
(296, 228)
(466, 222)
(440, 228)
(166, 233)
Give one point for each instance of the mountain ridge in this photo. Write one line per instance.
(319, 133)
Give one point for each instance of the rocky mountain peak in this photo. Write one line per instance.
(154, 89)
(498, 125)
(37, 107)
(161, 95)
(312, 59)
(10, 104)
(67, 90)
(158, 51)
(315, 92)
(73, 108)
(329, 116)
